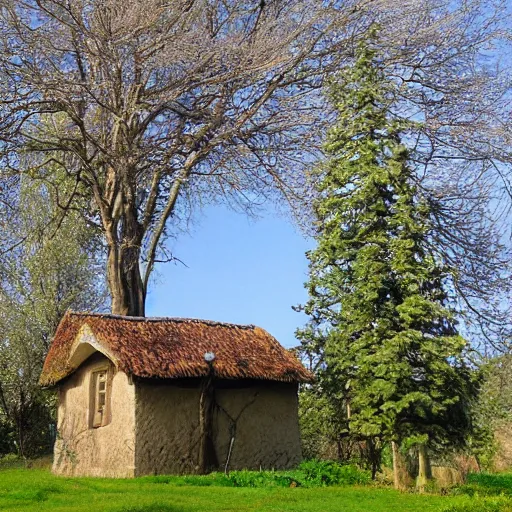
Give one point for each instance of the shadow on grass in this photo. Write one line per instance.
(153, 508)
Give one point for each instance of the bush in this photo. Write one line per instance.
(486, 493)
(325, 472)
(233, 479)
(309, 474)
(262, 479)
(11, 461)
(499, 483)
(486, 484)
(7, 445)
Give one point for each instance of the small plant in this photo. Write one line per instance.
(324, 472)
(262, 479)
(213, 479)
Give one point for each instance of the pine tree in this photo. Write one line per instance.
(378, 302)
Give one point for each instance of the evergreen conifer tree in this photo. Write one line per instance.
(378, 302)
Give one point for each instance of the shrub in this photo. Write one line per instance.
(309, 474)
(11, 461)
(262, 479)
(486, 484)
(7, 445)
(324, 472)
(500, 483)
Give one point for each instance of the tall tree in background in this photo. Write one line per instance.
(52, 268)
(378, 301)
(155, 106)
(492, 414)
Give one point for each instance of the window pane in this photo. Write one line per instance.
(99, 398)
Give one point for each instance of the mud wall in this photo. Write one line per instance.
(167, 424)
(262, 416)
(81, 450)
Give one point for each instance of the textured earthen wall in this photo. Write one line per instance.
(105, 451)
(267, 431)
(167, 422)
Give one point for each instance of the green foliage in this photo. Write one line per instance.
(493, 409)
(261, 479)
(481, 505)
(40, 491)
(7, 437)
(320, 431)
(380, 312)
(486, 484)
(309, 474)
(52, 265)
(11, 461)
(496, 393)
(323, 473)
(501, 481)
(486, 492)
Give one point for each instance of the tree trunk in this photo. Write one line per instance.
(207, 456)
(124, 280)
(424, 469)
(124, 240)
(401, 476)
(374, 455)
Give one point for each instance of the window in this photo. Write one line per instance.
(100, 397)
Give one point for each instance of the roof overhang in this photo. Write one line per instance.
(84, 346)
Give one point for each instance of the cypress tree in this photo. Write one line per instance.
(378, 291)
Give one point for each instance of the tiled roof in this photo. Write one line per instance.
(174, 348)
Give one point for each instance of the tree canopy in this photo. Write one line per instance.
(53, 269)
(379, 291)
(152, 108)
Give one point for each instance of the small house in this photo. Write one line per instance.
(140, 396)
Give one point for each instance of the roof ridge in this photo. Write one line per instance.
(161, 319)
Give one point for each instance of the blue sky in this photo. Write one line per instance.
(238, 270)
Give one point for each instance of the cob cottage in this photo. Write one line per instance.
(151, 396)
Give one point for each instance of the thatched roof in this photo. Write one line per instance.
(169, 348)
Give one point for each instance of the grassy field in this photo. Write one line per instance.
(39, 490)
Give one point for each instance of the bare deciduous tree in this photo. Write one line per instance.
(149, 103)
(463, 163)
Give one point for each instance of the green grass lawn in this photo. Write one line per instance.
(39, 490)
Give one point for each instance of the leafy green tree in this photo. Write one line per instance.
(43, 272)
(321, 435)
(378, 290)
(492, 412)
